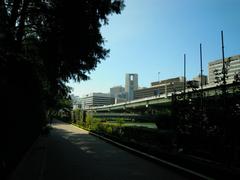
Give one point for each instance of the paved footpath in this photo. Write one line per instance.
(70, 153)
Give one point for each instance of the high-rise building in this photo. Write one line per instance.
(131, 84)
(232, 64)
(116, 91)
(76, 101)
(198, 79)
(96, 99)
(119, 94)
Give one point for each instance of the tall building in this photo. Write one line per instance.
(161, 87)
(116, 91)
(96, 99)
(232, 64)
(119, 94)
(131, 84)
(76, 101)
(198, 79)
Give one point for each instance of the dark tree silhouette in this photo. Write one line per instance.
(43, 44)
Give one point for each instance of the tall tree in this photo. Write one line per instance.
(43, 44)
(60, 39)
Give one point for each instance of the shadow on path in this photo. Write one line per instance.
(71, 153)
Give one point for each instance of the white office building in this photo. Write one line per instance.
(116, 91)
(96, 99)
(231, 63)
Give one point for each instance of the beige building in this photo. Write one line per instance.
(198, 79)
(117, 91)
(232, 64)
(161, 87)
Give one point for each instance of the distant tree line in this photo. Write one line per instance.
(44, 44)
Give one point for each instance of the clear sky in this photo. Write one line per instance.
(151, 36)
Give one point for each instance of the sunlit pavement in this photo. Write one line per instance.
(71, 153)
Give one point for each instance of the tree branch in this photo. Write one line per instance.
(21, 28)
(14, 13)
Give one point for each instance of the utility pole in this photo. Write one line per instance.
(201, 76)
(228, 145)
(223, 65)
(201, 70)
(158, 91)
(184, 85)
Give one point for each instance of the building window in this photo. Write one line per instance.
(131, 77)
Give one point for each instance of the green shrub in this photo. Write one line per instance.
(120, 121)
(76, 114)
(109, 130)
(89, 120)
(133, 133)
(95, 125)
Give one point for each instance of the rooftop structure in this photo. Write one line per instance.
(170, 80)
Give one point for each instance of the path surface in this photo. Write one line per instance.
(70, 153)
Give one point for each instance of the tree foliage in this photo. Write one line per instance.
(60, 39)
(43, 44)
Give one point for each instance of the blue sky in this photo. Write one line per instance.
(151, 36)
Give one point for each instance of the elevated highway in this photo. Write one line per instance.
(155, 101)
(138, 104)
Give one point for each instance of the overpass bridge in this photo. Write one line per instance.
(148, 108)
(139, 104)
(161, 101)
(140, 109)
